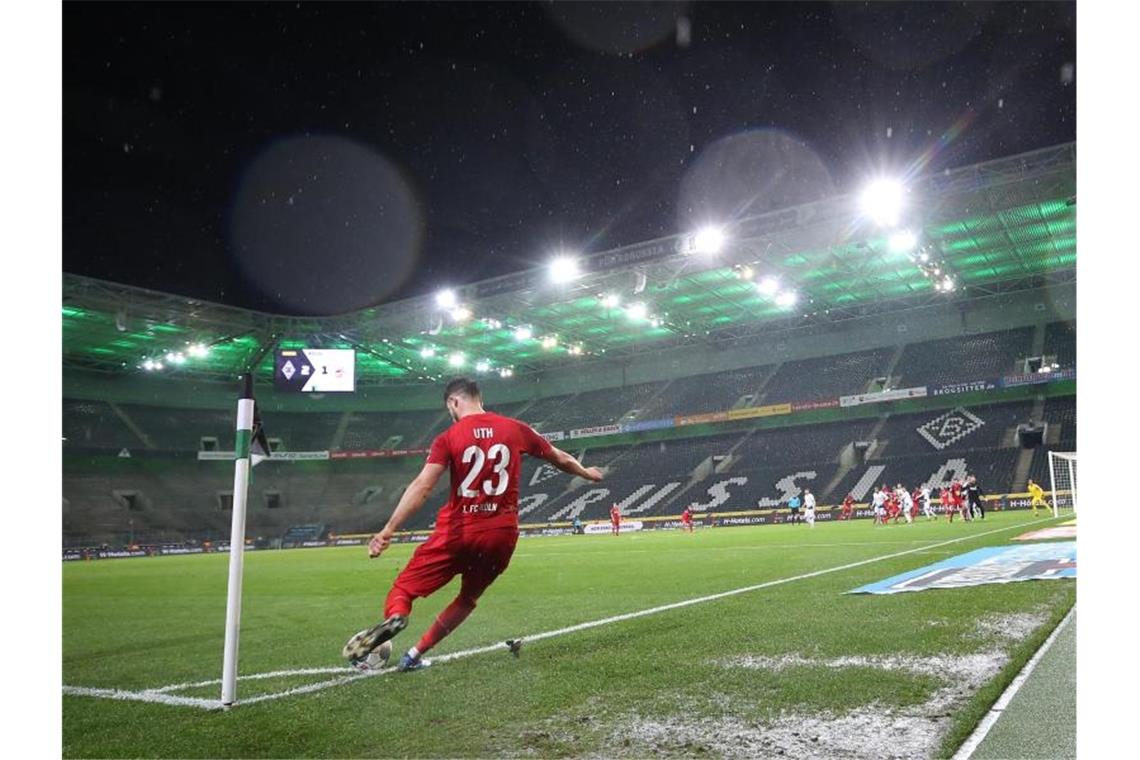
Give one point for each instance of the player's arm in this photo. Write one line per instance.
(568, 463)
(410, 502)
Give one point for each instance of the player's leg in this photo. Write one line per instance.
(430, 568)
(484, 558)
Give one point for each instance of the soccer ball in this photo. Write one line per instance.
(376, 659)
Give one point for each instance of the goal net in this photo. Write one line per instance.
(1063, 480)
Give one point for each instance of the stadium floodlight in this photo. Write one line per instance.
(902, 241)
(948, 284)
(746, 272)
(768, 286)
(563, 268)
(427, 352)
(611, 300)
(924, 256)
(524, 333)
(493, 324)
(482, 365)
(655, 322)
(506, 372)
(549, 342)
(576, 349)
(148, 365)
(198, 350)
(456, 360)
(786, 299)
(158, 365)
(461, 314)
(882, 202)
(446, 299)
(178, 358)
(708, 240)
(637, 311)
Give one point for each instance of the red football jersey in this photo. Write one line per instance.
(483, 452)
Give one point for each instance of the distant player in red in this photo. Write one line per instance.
(848, 505)
(959, 500)
(475, 531)
(687, 520)
(892, 506)
(946, 503)
(615, 520)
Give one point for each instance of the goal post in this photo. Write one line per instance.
(1063, 480)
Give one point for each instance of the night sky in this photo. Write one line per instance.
(318, 158)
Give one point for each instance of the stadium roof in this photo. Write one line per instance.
(997, 227)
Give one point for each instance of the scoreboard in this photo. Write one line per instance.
(315, 370)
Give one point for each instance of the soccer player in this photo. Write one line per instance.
(958, 500)
(848, 505)
(924, 499)
(947, 504)
(615, 520)
(794, 505)
(1037, 496)
(878, 504)
(907, 504)
(687, 520)
(974, 493)
(809, 507)
(475, 531)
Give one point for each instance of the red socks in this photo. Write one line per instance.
(448, 620)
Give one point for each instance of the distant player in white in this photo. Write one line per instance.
(877, 502)
(809, 507)
(927, 508)
(907, 503)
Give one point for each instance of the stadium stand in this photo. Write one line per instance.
(705, 393)
(94, 424)
(974, 357)
(1061, 341)
(826, 376)
(601, 407)
(373, 430)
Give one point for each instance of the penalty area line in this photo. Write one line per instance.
(163, 695)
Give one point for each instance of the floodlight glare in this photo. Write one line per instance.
(524, 333)
(655, 322)
(461, 314)
(563, 269)
(148, 365)
(902, 241)
(576, 350)
(446, 299)
(427, 352)
(549, 341)
(611, 300)
(198, 350)
(785, 299)
(456, 360)
(506, 372)
(158, 365)
(768, 286)
(637, 311)
(708, 240)
(482, 366)
(176, 358)
(948, 284)
(882, 202)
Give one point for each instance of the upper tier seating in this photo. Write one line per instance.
(1061, 341)
(971, 357)
(826, 376)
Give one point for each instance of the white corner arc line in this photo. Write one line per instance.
(982, 731)
(162, 694)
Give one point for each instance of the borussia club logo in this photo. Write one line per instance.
(949, 428)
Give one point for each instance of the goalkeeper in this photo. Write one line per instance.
(1037, 496)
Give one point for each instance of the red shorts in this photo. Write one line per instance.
(478, 557)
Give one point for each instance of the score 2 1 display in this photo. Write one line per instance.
(315, 370)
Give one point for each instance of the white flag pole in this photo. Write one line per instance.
(237, 540)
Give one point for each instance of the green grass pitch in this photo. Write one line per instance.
(794, 665)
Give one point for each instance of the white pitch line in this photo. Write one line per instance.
(982, 731)
(162, 695)
(143, 696)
